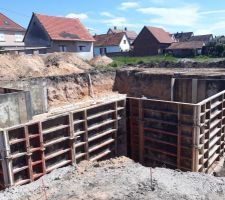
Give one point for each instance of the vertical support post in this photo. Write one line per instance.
(116, 127)
(8, 159)
(178, 136)
(29, 160)
(129, 128)
(72, 138)
(194, 90)
(195, 138)
(141, 130)
(86, 135)
(172, 88)
(4, 160)
(42, 147)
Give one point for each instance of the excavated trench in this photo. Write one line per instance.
(170, 117)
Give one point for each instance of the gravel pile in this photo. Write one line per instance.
(119, 178)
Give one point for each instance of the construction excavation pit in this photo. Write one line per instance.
(159, 117)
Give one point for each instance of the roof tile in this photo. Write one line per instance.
(113, 39)
(161, 35)
(66, 29)
(9, 25)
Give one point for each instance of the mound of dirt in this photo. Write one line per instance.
(101, 61)
(56, 64)
(117, 179)
(61, 60)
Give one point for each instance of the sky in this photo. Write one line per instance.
(201, 17)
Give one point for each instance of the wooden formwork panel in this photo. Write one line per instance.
(212, 132)
(31, 150)
(161, 133)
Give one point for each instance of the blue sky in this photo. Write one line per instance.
(203, 16)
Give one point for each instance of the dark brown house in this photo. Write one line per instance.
(183, 36)
(186, 49)
(151, 41)
(202, 38)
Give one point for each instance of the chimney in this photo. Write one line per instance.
(115, 27)
(125, 28)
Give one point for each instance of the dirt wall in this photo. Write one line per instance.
(77, 87)
(135, 83)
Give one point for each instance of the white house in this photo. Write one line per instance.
(111, 43)
(11, 33)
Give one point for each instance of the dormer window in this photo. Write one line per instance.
(6, 22)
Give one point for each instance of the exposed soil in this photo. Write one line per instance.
(23, 66)
(116, 179)
(101, 61)
(74, 88)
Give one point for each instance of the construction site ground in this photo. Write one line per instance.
(119, 178)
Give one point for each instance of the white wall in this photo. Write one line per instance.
(87, 53)
(10, 39)
(71, 46)
(125, 47)
(114, 49)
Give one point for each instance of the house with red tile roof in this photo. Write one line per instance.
(111, 43)
(131, 35)
(59, 34)
(152, 41)
(186, 49)
(11, 33)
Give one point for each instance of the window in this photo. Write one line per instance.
(125, 42)
(18, 37)
(62, 48)
(103, 51)
(81, 48)
(2, 37)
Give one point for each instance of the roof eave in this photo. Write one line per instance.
(73, 40)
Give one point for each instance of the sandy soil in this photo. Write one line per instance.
(100, 61)
(117, 179)
(24, 66)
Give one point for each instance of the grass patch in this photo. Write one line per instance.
(120, 61)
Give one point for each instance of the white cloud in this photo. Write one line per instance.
(128, 5)
(116, 21)
(177, 16)
(106, 14)
(212, 12)
(217, 28)
(158, 1)
(81, 16)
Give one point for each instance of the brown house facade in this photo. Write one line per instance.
(151, 41)
(186, 49)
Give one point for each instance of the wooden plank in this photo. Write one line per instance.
(178, 137)
(141, 131)
(86, 146)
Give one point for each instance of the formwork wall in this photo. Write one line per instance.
(31, 150)
(177, 135)
(15, 107)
